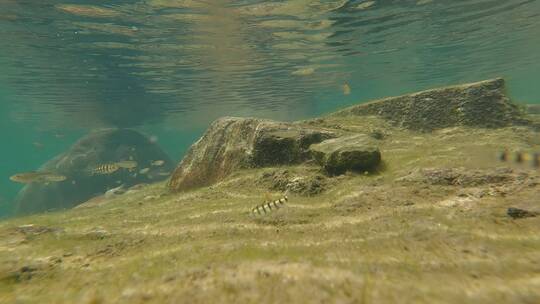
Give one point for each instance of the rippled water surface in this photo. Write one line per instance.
(173, 66)
(128, 63)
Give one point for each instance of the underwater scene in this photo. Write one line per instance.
(292, 151)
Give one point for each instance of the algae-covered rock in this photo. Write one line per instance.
(296, 183)
(96, 148)
(233, 143)
(480, 104)
(348, 153)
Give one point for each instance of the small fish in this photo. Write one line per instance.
(127, 164)
(346, 89)
(164, 173)
(303, 72)
(520, 158)
(38, 145)
(115, 191)
(104, 169)
(503, 156)
(158, 163)
(269, 206)
(144, 170)
(37, 177)
(59, 135)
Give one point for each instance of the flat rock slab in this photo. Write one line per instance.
(233, 143)
(480, 104)
(348, 153)
(464, 177)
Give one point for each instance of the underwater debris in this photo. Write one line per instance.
(37, 177)
(517, 213)
(268, 206)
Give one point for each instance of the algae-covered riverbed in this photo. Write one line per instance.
(429, 226)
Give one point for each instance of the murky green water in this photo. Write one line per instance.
(168, 67)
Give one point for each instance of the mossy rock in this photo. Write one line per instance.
(94, 149)
(349, 153)
(233, 143)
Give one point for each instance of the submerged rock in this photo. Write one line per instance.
(348, 153)
(232, 143)
(480, 104)
(95, 149)
(533, 108)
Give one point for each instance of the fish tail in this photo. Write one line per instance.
(536, 160)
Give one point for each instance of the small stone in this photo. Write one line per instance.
(97, 233)
(377, 134)
(517, 213)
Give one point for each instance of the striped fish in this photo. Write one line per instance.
(268, 206)
(104, 169)
(520, 157)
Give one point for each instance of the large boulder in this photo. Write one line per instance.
(233, 143)
(348, 153)
(480, 104)
(97, 148)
